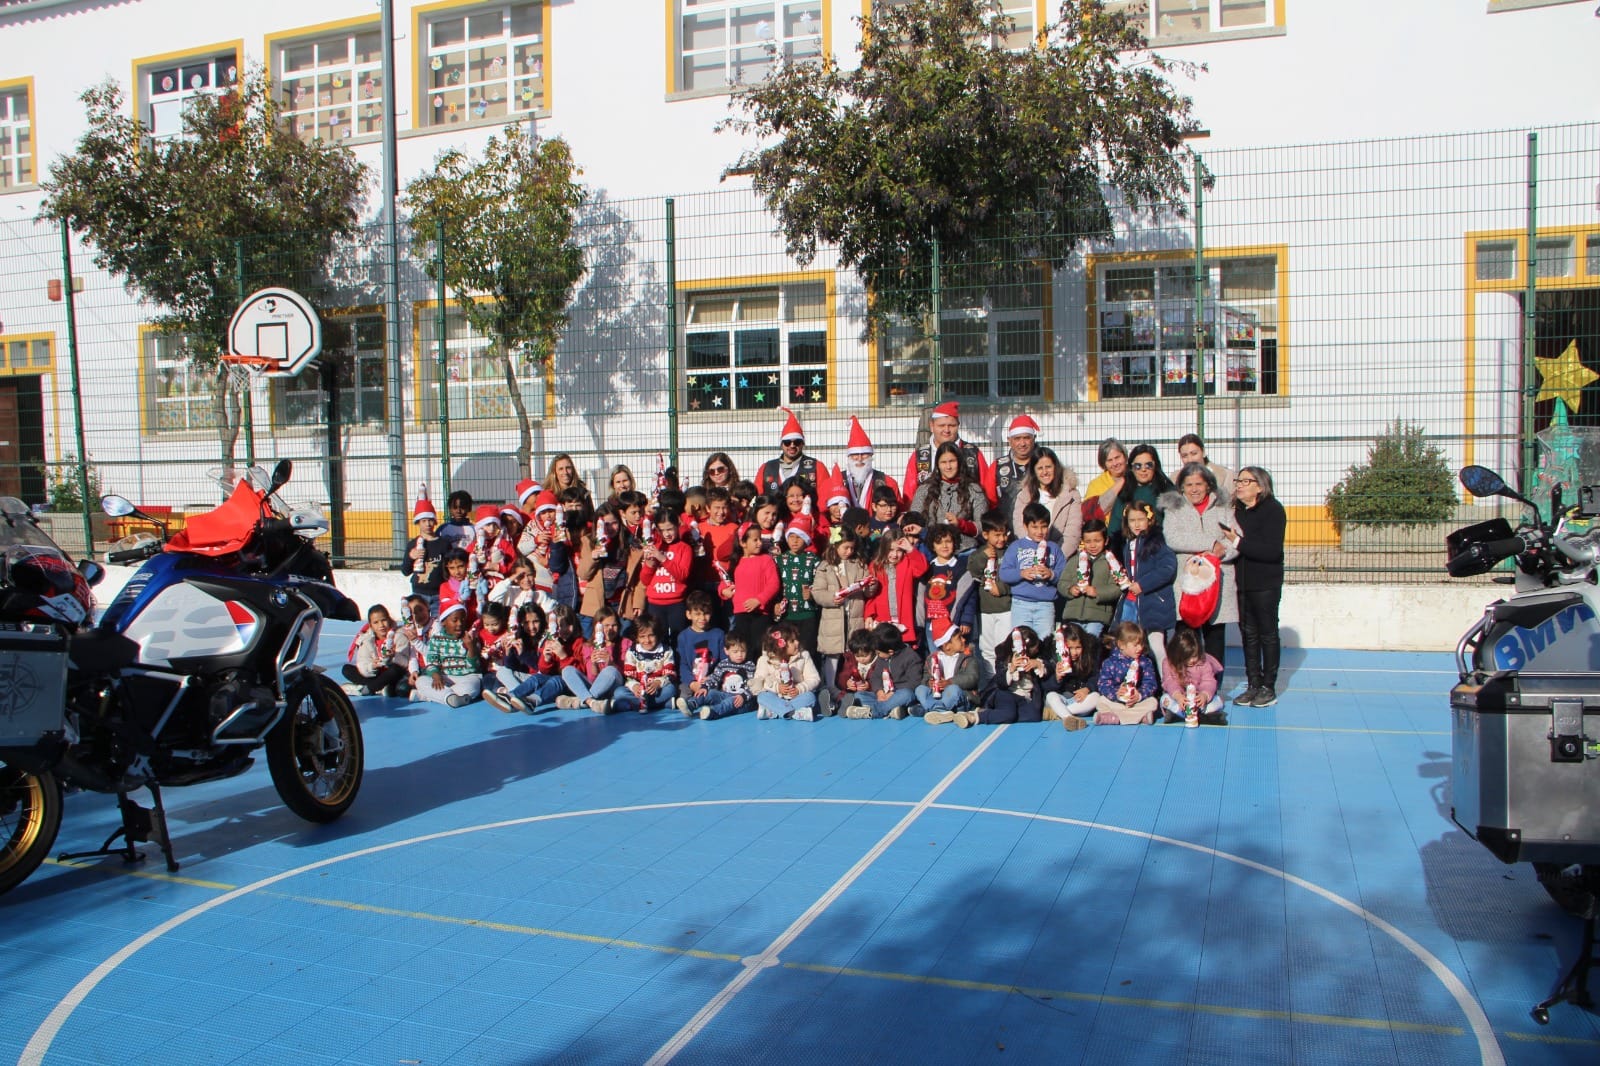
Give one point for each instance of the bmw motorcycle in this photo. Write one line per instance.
(206, 656)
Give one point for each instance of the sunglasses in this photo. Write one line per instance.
(716, 470)
(1144, 466)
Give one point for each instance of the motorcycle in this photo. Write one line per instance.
(1525, 714)
(205, 656)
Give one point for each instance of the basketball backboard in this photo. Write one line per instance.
(278, 325)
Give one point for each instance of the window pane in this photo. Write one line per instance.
(759, 307)
(966, 379)
(965, 339)
(1018, 338)
(808, 349)
(1592, 257)
(710, 310)
(1497, 260)
(756, 347)
(1130, 283)
(1020, 379)
(486, 66)
(1250, 279)
(1555, 257)
(1184, 18)
(704, 350)
(806, 303)
(1243, 13)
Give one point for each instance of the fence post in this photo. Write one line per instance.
(672, 332)
(444, 364)
(935, 341)
(77, 389)
(1529, 325)
(1199, 299)
(247, 403)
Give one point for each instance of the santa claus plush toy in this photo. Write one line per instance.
(1199, 588)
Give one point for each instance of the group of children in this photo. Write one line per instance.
(718, 602)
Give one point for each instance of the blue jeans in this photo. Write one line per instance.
(538, 689)
(625, 700)
(604, 682)
(776, 706)
(1037, 615)
(721, 703)
(900, 697)
(952, 699)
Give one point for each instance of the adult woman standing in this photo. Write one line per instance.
(719, 472)
(621, 481)
(1193, 522)
(1258, 529)
(1146, 485)
(1056, 487)
(1101, 495)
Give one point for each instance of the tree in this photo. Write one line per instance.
(941, 134)
(509, 254)
(185, 221)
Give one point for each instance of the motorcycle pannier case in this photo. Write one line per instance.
(1526, 724)
(33, 683)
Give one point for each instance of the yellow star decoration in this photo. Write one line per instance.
(1564, 376)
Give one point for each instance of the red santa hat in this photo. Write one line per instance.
(942, 629)
(525, 488)
(1022, 426)
(545, 501)
(948, 409)
(1199, 588)
(450, 606)
(859, 443)
(832, 490)
(424, 509)
(513, 513)
(791, 428)
(801, 525)
(486, 515)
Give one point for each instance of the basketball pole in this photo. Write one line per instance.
(399, 527)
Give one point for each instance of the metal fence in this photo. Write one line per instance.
(1325, 293)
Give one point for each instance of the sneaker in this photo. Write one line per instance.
(1214, 718)
(1169, 717)
(1072, 723)
(762, 714)
(939, 717)
(683, 705)
(1247, 698)
(1265, 697)
(517, 702)
(966, 719)
(824, 703)
(705, 714)
(498, 702)
(857, 712)
(455, 699)
(897, 713)
(600, 706)
(353, 689)
(805, 714)
(568, 703)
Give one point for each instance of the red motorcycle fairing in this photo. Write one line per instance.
(225, 530)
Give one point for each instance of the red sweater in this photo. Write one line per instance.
(904, 609)
(755, 578)
(666, 583)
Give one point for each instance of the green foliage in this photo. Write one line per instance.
(62, 495)
(508, 253)
(942, 134)
(1404, 482)
(180, 220)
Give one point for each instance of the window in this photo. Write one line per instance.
(756, 348)
(165, 86)
(331, 82)
(1184, 21)
(481, 63)
(27, 353)
(476, 374)
(1496, 260)
(1025, 14)
(1145, 328)
(1555, 258)
(178, 396)
(356, 342)
(726, 43)
(16, 134)
(992, 342)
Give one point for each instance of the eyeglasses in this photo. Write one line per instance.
(1144, 466)
(1245, 481)
(716, 470)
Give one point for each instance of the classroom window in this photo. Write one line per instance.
(722, 44)
(756, 348)
(1145, 326)
(482, 64)
(475, 371)
(1182, 21)
(166, 89)
(356, 343)
(16, 138)
(179, 396)
(331, 84)
(1024, 16)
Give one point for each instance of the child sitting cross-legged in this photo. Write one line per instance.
(891, 679)
(1127, 682)
(649, 670)
(725, 689)
(1021, 680)
(378, 656)
(528, 676)
(598, 673)
(950, 676)
(448, 672)
(1077, 671)
(1189, 682)
(786, 679)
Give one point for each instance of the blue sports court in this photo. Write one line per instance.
(651, 889)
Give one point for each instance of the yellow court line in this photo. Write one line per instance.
(1543, 1038)
(74, 864)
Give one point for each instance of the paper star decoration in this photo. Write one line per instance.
(800, 391)
(694, 405)
(816, 379)
(761, 397)
(1564, 376)
(724, 382)
(744, 382)
(816, 396)
(716, 401)
(772, 379)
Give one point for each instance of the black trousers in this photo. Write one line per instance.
(385, 678)
(1258, 630)
(1214, 635)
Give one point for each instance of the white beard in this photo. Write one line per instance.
(1198, 575)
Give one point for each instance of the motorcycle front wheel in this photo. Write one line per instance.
(30, 817)
(315, 754)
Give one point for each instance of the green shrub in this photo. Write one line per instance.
(1404, 482)
(61, 486)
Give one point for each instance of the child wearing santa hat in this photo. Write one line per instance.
(426, 551)
(950, 674)
(797, 568)
(450, 674)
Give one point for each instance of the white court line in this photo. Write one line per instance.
(754, 964)
(1488, 1046)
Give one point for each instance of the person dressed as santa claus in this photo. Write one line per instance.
(857, 476)
(944, 426)
(792, 460)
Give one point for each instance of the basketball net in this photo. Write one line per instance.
(243, 370)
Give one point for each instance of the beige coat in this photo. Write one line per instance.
(806, 678)
(1066, 513)
(840, 618)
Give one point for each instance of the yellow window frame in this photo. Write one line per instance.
(8, 339)
(675, 51)
(1275, 26)
(136, 97)
(26, 85)
(830, 300)
(146, 402)
(423, 14)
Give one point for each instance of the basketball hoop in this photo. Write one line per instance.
(275, 332)
(242, 370)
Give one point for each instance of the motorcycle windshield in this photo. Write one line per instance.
(224, 530)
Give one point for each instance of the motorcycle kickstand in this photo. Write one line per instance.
(139, 825)
(1574, 986)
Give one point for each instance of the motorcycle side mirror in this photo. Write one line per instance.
(92, 572)
(281, 473)
(116, 506)
(1481, 481)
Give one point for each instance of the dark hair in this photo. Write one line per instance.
(668, 516)
(1127, 631)
(1158, 481)
(830, 554)
(533, 610)
(718, 492)
(1193, 438)
(735, 639)
(913, 518)
(855, 516)
(375, 608)
(1030, 480)
(670, 500)
(1089, 665)
(453, 555)
(577, 494)
(563, 617)
(994, 521)
(460, 498)
(887, 638)
(861, 642)
(1153, 540)
(941, 531)
(648, 624)
(1002, 650)
(1263, 478)
(497, 612)
(884, 494)
(725, 460)
(788, 634)
(1035, 512)
(744, 491)
(1095, 525)
(1185, 649)
(805, 486)
(699, 600)
(632, 498)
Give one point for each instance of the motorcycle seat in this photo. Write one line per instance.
(100, 651)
